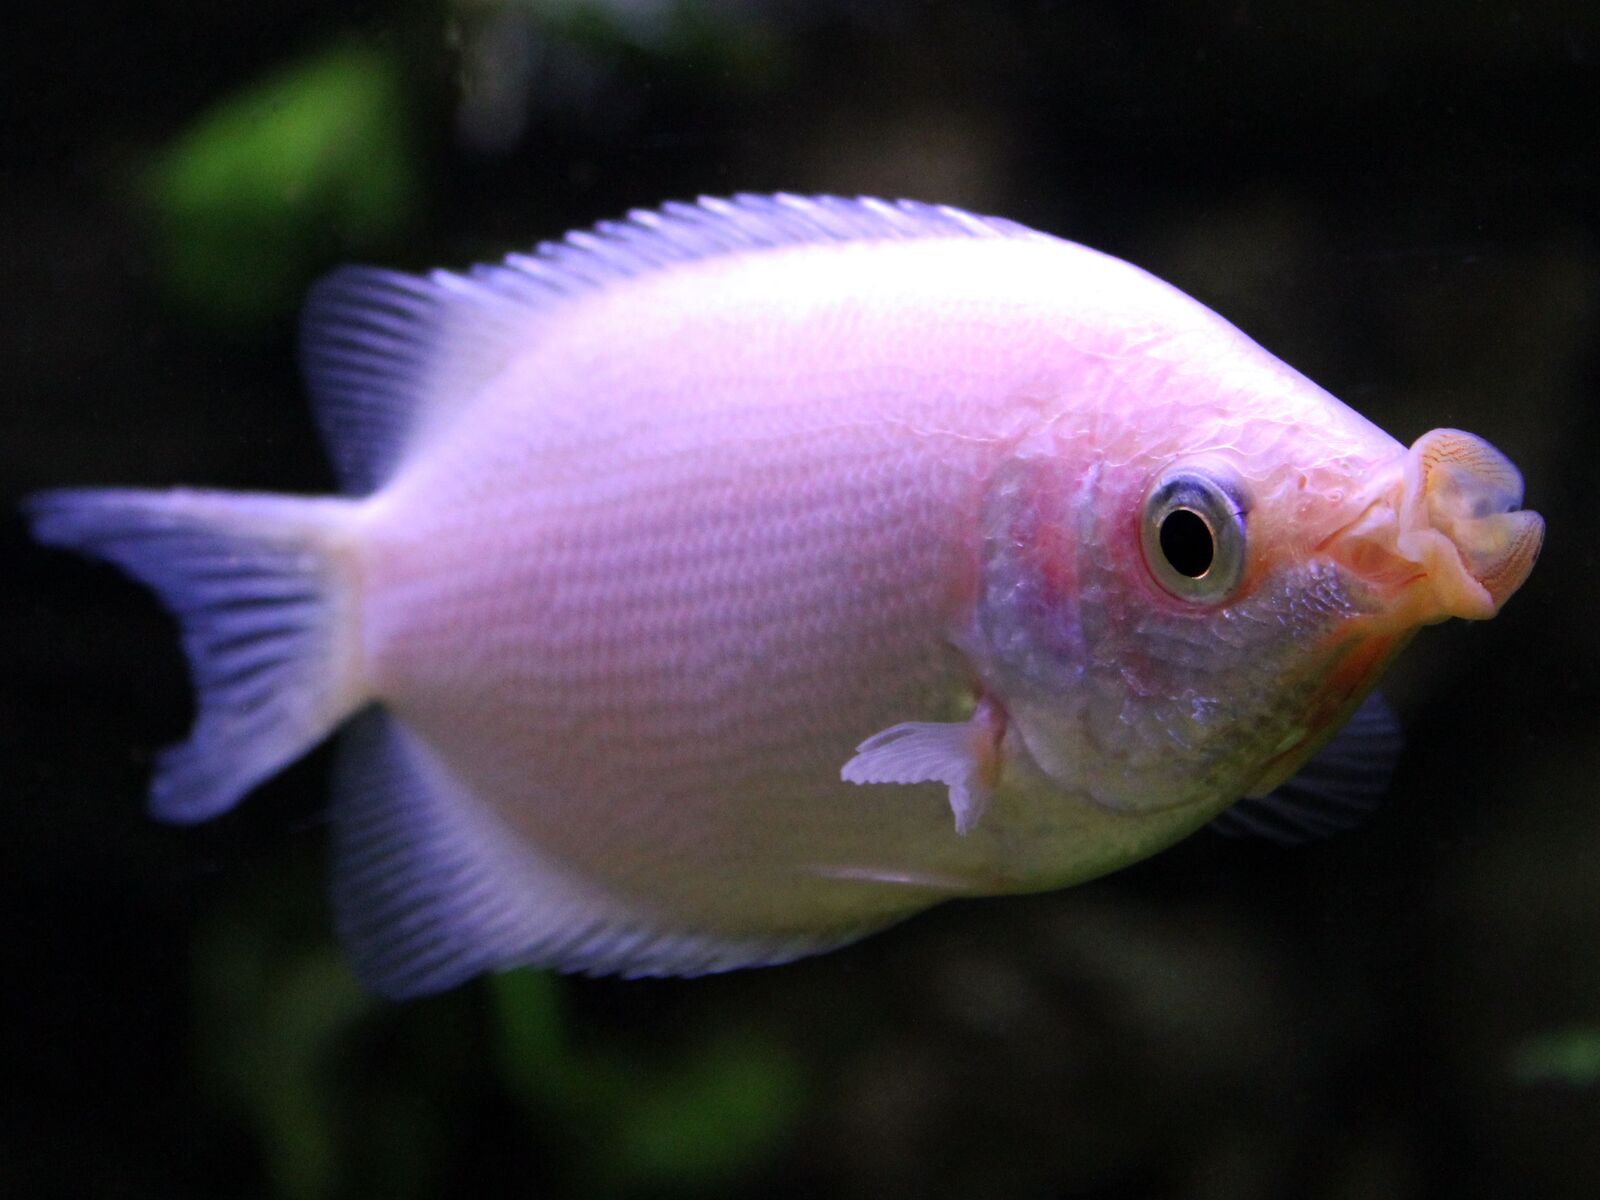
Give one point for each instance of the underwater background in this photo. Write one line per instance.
(1403, 203)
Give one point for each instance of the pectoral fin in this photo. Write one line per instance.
(964, 756)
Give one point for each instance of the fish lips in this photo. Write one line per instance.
(1444, 535)
(1461, 520)
(1447, 538)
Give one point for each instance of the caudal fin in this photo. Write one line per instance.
(266, 606)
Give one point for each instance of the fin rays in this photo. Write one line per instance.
(261, 614)
(430, 890)
(1339, 788)
(386, 354)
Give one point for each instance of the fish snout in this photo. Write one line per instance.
(1461, 521)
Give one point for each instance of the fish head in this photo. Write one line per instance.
(1189, 622)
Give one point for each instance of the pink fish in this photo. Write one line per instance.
(730, 581)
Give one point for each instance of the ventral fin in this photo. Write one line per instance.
(1339, 788)
(388, 355)
(964, 756)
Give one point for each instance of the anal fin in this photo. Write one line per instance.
(431, 888)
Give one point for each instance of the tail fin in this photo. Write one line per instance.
(267, 605)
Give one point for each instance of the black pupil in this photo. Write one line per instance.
(1186, 542)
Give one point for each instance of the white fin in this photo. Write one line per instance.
(963, 756)
(940, 883)
(430, 888)
(386, 354)
(1341, 786)
(264, 611)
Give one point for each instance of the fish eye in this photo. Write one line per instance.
(1193, 534)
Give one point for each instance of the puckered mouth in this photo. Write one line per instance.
(1441, 535)
(1445, 536)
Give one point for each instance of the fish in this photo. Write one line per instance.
(726, 582)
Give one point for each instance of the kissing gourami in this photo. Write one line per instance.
(729, 581)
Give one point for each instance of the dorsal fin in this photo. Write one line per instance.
(386, 354)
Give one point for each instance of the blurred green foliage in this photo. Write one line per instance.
(734, 44)
(1567, 1056)
(698, 1120)
(341, 1095)
(278, 178)
(271, 1022)
(345, 1096)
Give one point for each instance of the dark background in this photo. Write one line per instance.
(1402, 202)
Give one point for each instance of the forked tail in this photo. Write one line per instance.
(266, 596)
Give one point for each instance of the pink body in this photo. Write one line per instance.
(660, 578)
(711, 560)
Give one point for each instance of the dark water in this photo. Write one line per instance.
(1405, 208)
